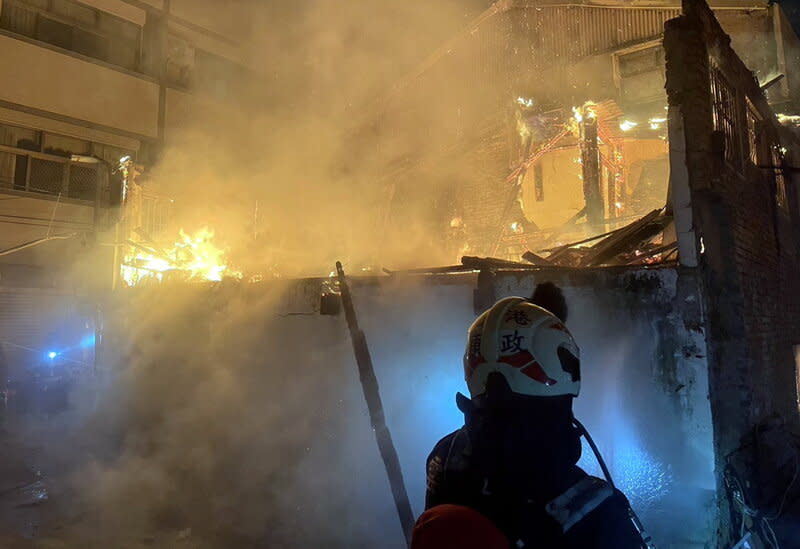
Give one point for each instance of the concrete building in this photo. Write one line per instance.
(86, 84)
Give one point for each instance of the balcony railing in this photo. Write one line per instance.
(36, 172)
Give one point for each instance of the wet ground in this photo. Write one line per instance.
(38, 505)
(40, 509)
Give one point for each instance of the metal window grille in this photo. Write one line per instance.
(753, 136)
(45, 176)
(82, 182)
(726, 116)
(780, 179)
(42, 173)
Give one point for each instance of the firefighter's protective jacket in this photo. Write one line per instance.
(565, 508)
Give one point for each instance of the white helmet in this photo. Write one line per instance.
(529, 346)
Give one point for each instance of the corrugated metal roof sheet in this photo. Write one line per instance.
(537, 36)
(577, 31)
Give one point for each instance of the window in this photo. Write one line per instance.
(640, 73)
(40, 162)
(780, 179)
(19, 138)
(754, 138)
(726, 116)
(24, 138)
(179, 62)
(190, 67)
(62, 145)
(216, 75)
(75, 27)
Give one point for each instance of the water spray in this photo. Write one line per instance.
(647, 541)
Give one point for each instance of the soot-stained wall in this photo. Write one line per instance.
(644, 393)
(644, 389)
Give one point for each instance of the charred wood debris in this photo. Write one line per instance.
(643, 242)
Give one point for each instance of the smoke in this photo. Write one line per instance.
(287, 168)
(232, 416)
(210, 413)
(220, 417)
(214, 406)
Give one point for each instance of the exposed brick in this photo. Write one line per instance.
(751, 261)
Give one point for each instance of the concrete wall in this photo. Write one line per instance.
(58, 83)
(25, 218)
(644, 391)
(187, 112)
(120, 8)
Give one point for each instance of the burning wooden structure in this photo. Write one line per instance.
(544, 124)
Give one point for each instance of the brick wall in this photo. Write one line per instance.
(750, 253)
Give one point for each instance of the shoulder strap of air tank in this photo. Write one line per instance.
(578, 501)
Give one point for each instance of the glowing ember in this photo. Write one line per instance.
(195, 255)
(587, 110)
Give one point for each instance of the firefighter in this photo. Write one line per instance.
(514, 461)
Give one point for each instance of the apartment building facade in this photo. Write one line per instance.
(90, 90)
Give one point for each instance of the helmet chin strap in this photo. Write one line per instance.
(647, 541)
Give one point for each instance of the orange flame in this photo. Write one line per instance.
(195, 255)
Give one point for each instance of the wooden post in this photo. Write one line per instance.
(369, 383)
(590, 164)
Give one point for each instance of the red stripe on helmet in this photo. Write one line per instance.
(518, 360)
(537, 373)
(472, 363)
(529, 366)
